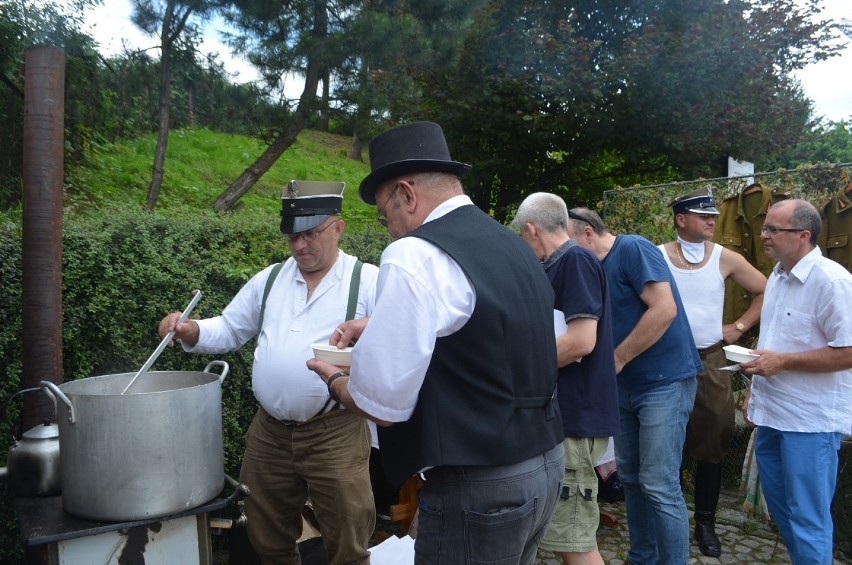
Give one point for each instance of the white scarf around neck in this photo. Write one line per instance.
(692, 252)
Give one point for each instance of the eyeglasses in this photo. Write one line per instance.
(772, 230)
(382, 218)
(308, 236)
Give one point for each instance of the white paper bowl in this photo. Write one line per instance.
(739, 354)
(331, 354)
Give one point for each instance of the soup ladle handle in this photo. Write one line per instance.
(196, 296)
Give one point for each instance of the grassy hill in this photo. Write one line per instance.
(200, 164)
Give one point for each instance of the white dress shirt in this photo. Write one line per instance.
(808, 308)
(422, 295)
(282, 383)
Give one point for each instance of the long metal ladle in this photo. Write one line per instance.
(196, 296)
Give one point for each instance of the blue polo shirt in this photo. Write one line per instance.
(632, 262)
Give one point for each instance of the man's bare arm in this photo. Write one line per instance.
(661, 311)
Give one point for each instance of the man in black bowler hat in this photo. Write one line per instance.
(457, 363)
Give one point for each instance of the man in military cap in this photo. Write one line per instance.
(700, 269)
(301, 442)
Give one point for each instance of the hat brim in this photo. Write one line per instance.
(367, 189)
(706, 210)
(297, 224)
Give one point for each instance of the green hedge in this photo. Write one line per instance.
(122, 271)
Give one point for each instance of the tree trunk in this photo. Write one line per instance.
(362, 118)
(162, 138)
(163, 134)
(357, 147)
(326, 97)
(190, 108)
(173, 25)
(228, 199)
(307, 104)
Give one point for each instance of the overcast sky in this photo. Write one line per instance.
(827, 83)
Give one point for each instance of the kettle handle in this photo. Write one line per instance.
(53, 391)
(4, 409)
(219, 363)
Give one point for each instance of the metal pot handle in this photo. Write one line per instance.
(52, 397)
(54, 392)
(222, 364)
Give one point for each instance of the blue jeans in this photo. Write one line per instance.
(798, 475)
(648, 454)
(487, 514)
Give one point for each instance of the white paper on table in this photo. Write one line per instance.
(393, 551)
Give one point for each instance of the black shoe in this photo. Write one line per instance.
(611, 490)
(705, 536)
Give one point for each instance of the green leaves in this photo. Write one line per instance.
(624, 93)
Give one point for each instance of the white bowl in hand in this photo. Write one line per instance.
(739, 354)
(332, 354)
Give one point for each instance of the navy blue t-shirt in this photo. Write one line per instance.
(586, 389)
(632, 262)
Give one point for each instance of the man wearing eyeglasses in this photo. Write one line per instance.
(656, 362)
(301, 442)
(801, 391)
(457, 364)
(700, 268)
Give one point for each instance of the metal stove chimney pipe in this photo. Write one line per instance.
(43, 167)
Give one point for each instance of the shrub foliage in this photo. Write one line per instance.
(122, 271)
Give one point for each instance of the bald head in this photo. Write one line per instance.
(803, 215)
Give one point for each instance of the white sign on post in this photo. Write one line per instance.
(741, 169)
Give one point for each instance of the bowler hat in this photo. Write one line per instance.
(306, 204)
(699, 202)
(417, 147)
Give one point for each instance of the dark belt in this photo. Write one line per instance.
(703, 353)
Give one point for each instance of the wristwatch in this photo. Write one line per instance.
(739, 325)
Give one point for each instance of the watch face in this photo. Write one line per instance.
(739, 326)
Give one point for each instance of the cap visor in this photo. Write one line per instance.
(296, 224)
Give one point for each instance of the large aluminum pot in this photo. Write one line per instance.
(153, 452)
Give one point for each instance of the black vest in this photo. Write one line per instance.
(489, 393)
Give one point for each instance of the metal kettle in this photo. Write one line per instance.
(32, 466)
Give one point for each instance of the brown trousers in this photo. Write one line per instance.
(711, 424)
(326, 460)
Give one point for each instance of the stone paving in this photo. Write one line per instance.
(745, 538)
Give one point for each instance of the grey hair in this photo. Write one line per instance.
(547, 211)
(805, 216)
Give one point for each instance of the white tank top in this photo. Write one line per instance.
(702, 292)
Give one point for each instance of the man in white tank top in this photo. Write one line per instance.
(700, 269)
